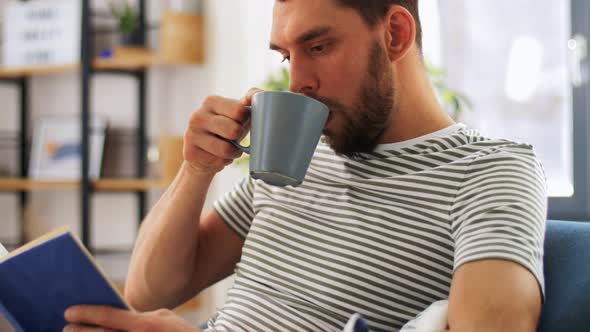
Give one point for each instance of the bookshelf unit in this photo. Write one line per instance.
(133, 63)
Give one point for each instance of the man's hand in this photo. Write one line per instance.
(206, 146)
(87, 318)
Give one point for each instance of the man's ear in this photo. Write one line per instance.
(400, 32)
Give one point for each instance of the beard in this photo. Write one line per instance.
(364, 122)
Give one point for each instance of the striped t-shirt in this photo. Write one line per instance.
(380, 235)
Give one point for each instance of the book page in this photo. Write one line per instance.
(3, 251)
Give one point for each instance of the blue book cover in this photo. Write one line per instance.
(40, 280)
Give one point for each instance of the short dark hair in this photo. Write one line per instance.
(374, 10)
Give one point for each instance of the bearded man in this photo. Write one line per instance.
(401, 206)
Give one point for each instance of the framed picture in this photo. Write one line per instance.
(56, 149)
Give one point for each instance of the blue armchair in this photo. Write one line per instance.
(567, 278)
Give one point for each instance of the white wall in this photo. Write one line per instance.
(237, 58)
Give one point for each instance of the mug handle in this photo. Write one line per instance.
(245, 149)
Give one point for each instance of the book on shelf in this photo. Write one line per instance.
(41, 279)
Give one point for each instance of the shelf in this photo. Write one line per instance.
(99, 64)
(127, 59)
(14, 73)
(16, 184)
(124, 59)
(122, 185)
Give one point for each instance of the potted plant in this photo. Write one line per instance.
(127, 23)
(453, 102)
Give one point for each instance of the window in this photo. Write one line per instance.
(522, 64)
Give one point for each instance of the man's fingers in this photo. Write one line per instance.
(219, 147)
(84, 328)
(246, 126)
(107, 317)
(225, 127)
(230, 108)
(247, 100)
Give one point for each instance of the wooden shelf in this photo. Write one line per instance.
(122, 185)
(124, 59)
(16, 184)
(128, 59)
(13, 73)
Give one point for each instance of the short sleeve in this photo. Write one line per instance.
(500, 210)
(236, 207)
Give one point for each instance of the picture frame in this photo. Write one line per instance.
(56, 151)
(41, 33)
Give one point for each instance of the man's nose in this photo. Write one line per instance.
(302, 79)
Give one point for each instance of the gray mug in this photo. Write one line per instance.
(285, 130)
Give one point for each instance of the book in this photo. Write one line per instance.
(3, 251)
(356, 323)
(41, 279)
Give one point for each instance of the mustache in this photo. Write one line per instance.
(330, 102)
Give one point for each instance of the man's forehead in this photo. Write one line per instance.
(294, 18)
(300, 14)
(311, 5)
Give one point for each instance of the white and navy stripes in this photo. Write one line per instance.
(382, 234)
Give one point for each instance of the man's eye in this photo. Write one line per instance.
(286, 58)
(317, 49)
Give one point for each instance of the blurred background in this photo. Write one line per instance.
(511, 69)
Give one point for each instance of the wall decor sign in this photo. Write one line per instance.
(41, 32)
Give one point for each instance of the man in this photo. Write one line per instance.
(401, 207)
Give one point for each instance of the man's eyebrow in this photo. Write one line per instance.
(275, 47)
(306, 36)
(313, 34)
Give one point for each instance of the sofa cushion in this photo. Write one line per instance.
(567, 277)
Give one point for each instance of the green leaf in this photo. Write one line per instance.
(114, 10)
(435, 72)
(465, 100)
(127, 20)
(448, 96)
(280, 83)
(456, 104)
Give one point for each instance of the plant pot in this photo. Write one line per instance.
(131, 39)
